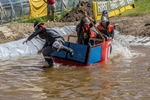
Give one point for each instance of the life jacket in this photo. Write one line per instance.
(87, 32)
(106, 32)
(51, 1)
(109, 29)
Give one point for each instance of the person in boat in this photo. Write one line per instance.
(84, 31)
(53, 41)
(87, 32)
(106, 28)
(79, 29)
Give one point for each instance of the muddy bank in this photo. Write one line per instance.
(131, 25)
(76, 13)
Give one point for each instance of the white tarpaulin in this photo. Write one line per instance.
(16, 48)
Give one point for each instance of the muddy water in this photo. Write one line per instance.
(118, 79)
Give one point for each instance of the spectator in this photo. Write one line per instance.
(50, 8)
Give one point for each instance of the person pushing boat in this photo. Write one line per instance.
(53, 42)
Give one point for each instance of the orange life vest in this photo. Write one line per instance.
(89, 32)
(110, 28)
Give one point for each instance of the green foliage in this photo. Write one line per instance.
(141, 7)
(65, 12)
(59, 16)
(32, 20)
(43, 19)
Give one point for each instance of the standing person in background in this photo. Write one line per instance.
(50, 8)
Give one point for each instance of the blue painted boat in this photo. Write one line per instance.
(84, 54)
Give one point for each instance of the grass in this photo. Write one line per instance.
(58, 16)
(26, 19)
(141, 7)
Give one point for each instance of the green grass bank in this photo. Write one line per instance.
(141, 7)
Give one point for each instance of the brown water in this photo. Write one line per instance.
(118, 79)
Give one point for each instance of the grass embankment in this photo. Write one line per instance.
(141, 7)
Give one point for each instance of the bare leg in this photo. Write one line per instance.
(48, 16)
(53, 16)
(48, 13)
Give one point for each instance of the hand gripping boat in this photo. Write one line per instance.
(84, 54)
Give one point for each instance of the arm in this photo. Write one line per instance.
(112, 34)
(45, 45)
(33, 35)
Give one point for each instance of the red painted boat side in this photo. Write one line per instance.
(106, 50)
(68, 62)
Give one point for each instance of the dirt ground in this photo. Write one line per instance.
(133, 25)
(76, 13)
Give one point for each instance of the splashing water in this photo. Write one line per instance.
(120, 47)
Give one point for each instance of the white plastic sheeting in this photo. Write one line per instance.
(17, 48)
